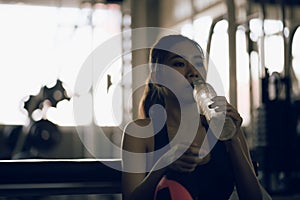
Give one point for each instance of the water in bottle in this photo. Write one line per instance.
(220, 124)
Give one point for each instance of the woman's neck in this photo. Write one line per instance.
(174, 111)
(183, 119)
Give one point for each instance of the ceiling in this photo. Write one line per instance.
(286, 2)
(57, 3)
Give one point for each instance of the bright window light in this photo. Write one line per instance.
(243, 76)
(188, 30)
(201, 30)
(274, 53)
(296, 55)
(219, 57)
(42, 44)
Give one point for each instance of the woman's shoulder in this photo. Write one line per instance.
(138, 124)
(139, 131)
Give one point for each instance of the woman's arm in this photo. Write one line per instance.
(137, 184)
(247, 184)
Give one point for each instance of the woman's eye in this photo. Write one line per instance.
(178, 64)
(199, 64)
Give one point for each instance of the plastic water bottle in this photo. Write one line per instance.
(221, 125)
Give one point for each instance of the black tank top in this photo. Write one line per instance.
(213, 180)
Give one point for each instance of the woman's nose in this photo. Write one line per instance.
(192, 74)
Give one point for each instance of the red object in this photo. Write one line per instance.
(176, 190)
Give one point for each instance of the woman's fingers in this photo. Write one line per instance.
(190, 159)
(218, 101)
(220, 104)
(182, 169)
(187, 163)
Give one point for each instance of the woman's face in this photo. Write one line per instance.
(185, 64)
(187, 60)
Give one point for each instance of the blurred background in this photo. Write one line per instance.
(44, 44)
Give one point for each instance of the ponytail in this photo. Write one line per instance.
(152, 95)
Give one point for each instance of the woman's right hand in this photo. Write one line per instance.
(189, 160)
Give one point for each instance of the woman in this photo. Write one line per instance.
(211, 176)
